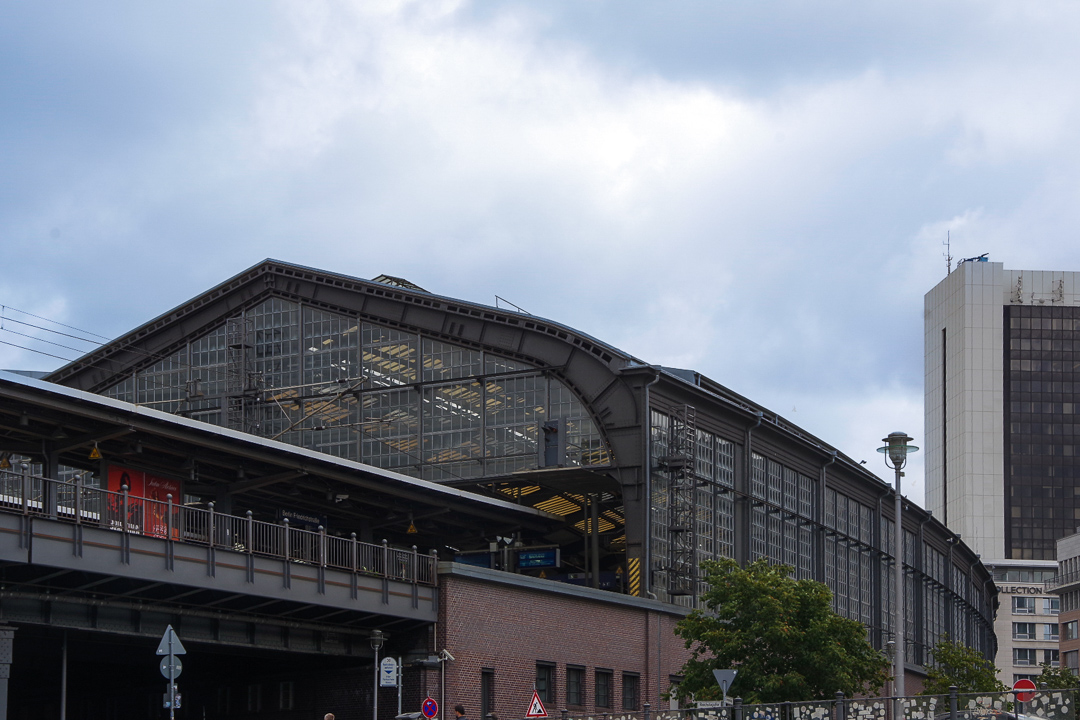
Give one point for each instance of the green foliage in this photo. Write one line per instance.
(779, 633)
(1057, 678)
(964, 667)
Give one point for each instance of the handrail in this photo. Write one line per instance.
(71, 501)
(1061, 580)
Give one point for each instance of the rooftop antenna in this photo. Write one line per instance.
(948, 252)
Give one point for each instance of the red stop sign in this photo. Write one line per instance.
(1025, 690)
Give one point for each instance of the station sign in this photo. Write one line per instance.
(388, 672)
(305, 520)
(536, 558)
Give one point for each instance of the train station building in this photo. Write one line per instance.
(297, 466)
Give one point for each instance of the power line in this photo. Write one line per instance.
(39, 317)
(149, 355)
(41, 352)
(57, 332)
(49, 342)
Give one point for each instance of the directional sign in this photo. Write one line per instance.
(1025, 690)
(171, 667)
(430, 708)
(170, 644)
(536, 708)
(709, 704)
(388, 672)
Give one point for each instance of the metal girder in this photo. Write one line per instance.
(200, 627)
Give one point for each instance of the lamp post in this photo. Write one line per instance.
(377, 639)
(444, 657)
(896, 451)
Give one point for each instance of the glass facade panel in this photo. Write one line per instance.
(365, 392)
(1042, 428)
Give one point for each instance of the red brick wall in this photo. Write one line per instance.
(509, 629)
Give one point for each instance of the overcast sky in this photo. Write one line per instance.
(758, 191)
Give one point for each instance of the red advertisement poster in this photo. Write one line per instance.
(147, 518)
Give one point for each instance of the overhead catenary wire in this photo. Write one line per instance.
(139, 351)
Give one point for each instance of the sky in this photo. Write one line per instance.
(757, 191)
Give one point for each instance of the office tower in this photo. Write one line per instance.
(1002, 381)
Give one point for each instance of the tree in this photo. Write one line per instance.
(1057, 678)
(964, 667)
(779, 633)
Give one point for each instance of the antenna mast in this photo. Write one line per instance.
(948, 252)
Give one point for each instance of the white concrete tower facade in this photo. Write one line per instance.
(964, 435)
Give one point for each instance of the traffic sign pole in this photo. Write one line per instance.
(171, 690)
(171, 667)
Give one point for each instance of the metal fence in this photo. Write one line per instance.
(71, 501)
(1043, 705)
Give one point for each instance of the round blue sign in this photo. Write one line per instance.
(430, 708)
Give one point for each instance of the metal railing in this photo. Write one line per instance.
(1059, 581)
(72, 501)
(1041, 705)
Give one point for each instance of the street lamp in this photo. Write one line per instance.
(444, 657)
(377, 639)
(896, 451)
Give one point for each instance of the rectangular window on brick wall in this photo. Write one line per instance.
(487, 692)
(673, 690)
(575, 685)
(224, 700)
(254, 698)
(285, 695)
(545, 682)
(1069, 630)
(1072, 660)
(631, 691)
(603, 688)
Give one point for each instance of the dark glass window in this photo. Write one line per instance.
(545, 681)
(575, 685)
(1023, 605)
(603, 688)
(254, 698)
(487, 692)
(286, 693)
(1042, 390)
(1024, 656)
(631, 691)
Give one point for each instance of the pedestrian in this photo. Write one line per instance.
(459, 712)
(328, 716)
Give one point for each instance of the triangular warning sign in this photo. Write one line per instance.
(170, 644)
(536, 708)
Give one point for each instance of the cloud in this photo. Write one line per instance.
(760, 194)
